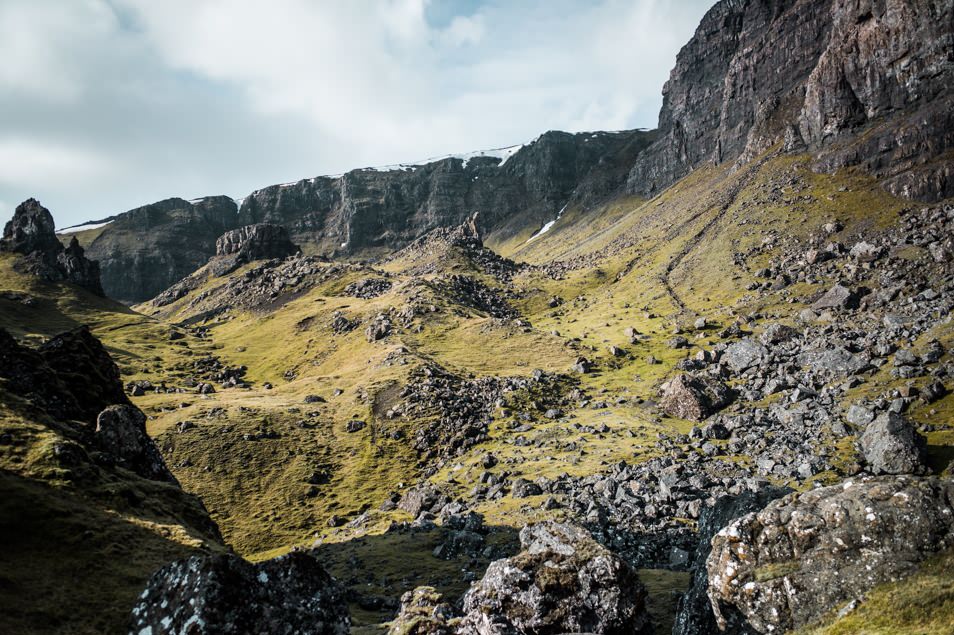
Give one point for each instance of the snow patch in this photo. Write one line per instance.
(547, 226)
(82, 228)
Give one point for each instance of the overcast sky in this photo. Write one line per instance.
(106, 105)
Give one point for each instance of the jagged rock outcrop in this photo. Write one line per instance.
(808, 553)
(256, 242)
(71, 376)
(144, 251)
(121, 431)
(424, 612)
(225, 594)
(562, 581)
(857, 82)
(32, 234)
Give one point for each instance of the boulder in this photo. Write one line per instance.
(121, 431)
(866, 252)
(744, 354)
(807, 553)
(694, 397)
(833, 362)
(225, 594)
(891, 445)
(838, 297)
(776, 333)
(562, 581)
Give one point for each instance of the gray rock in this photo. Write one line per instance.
(744, 354)
(838, 297)
(808, 553)
(121, 431)
(891, 445)
(562, 581)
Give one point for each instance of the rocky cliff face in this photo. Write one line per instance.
(375, 209)
(32, 234)
(858, 82)
(146, 250)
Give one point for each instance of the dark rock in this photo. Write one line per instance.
(522, 488)
(561, 582)
(256, 242)
(31, 233)
(808, 553)
(891, 445)
(225, 594)
(695, 616)
(355, 425)
(121, 431)
(694, 397)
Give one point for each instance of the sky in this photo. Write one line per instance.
(106, 105)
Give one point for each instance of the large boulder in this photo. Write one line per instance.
(695, 616)
(424, 612)
(694, 397)
(562, 581)
(891, 445)
(807, 553)
(210, 595)
(121, 431)
(837, 297)
(744, 354)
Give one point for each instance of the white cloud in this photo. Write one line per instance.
(33, 163)
(190, 97)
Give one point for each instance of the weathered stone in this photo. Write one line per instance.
(225, 594)
(694, 397)
(561, 582)
(838, 297)
(891, 445)
(807, 553)
(744, 354)
(121, 431)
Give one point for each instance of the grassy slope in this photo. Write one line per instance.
(688, 237)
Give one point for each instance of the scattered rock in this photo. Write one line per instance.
(694, 397)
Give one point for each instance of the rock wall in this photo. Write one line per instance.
(146, 250)
(858, 82)
(386, 210)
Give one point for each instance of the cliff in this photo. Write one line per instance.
(856, 82)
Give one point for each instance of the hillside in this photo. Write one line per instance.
(700, 379)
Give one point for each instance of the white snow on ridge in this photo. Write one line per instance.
(82, 228)
(546, 226)
(503, 154)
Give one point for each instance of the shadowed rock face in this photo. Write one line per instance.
(373, 209)
(256, 242)
(807, 553)
(32, 234)
(225, 594)
(71, 376)
(813, 74)
(144, 251)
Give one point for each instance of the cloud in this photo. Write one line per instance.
(190, 97)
